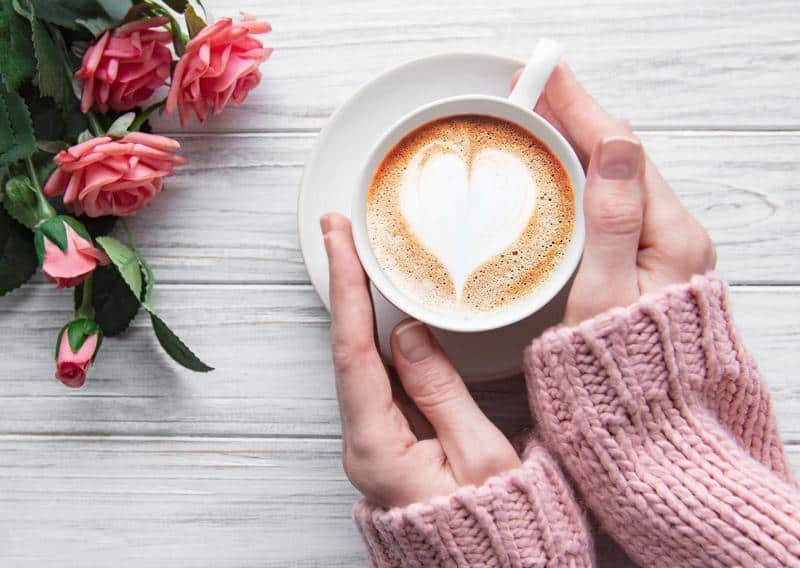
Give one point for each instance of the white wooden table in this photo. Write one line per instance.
(153, 466)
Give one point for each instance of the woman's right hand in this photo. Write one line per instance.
(408, 442)
(639, 237)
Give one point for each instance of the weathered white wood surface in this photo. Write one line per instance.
(183, 502)
(154, 466)
(269, 345)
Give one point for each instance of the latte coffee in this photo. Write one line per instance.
(469, 212)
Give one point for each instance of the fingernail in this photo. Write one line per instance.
(414, 341)
(619, 157)
(325, 223)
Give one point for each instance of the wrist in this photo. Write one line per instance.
(671, 355)
(525, 516)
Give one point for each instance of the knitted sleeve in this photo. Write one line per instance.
(524, 517)
(661, 419)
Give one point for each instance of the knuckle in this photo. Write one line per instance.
(348, 353)
(496, 462)
(376, 475)
(357, 458)
(618, 217)
(433, 387)
(696, 248)
(705, 247)
(352, 468)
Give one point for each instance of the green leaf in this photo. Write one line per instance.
(70, 64)
(23, 8)
(176, 348)
(49, 71)
(17, 255)
(16, 49)
(119, 127)
(6, 134)
(78, 331)
(116, 9)
(76, 225)
(75, 121)
(24, 144)
(59, 13)
(114, 304)
(141, 10)
(51, 146)
(85, 7)
(194, 23)
(97, 25)
(20, 201)
(130, 265)
(126, 262)
(56, 233)
(58, 340)
(48, 119)
(150, 282)
(43, 167)
(98, 226)
(177, 5)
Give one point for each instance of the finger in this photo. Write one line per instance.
(362, 384)
(474, 447)
(515, 78)
(542, 108)
(614, 210)
(584, 121)
(419, 425)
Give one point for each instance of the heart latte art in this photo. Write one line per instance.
(469, 212)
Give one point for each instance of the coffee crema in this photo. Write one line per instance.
(469, 212)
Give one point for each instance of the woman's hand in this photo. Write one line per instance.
(398, 451)
(639, 237)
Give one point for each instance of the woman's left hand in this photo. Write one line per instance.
(398, 451)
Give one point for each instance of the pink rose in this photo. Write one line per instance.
(76, 349)
(125, 66)
(67, 256)
(113, 177)
(219, 66)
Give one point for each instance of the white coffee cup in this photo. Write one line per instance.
(517, 108)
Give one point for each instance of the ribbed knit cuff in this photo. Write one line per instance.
(655, 412)
(524, 517)
(675, 348)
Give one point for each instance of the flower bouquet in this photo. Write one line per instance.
(80, 78)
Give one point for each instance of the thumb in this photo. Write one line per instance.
(474, 447)
(614, 203)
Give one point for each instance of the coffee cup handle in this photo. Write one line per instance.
(533, 78)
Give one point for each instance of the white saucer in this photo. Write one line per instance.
(331, 174)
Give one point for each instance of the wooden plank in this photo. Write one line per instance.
(270, 347)
(667, 64)
(229, 216)
(184, 503)
(175, 503)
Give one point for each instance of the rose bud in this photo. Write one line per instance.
(125, 66)
(219, 67)
(113, 177)
(76, 348)
(66, 251)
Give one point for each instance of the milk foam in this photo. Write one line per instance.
(469, 213)
(463, 209)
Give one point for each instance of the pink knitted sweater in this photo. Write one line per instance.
(660, 420)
